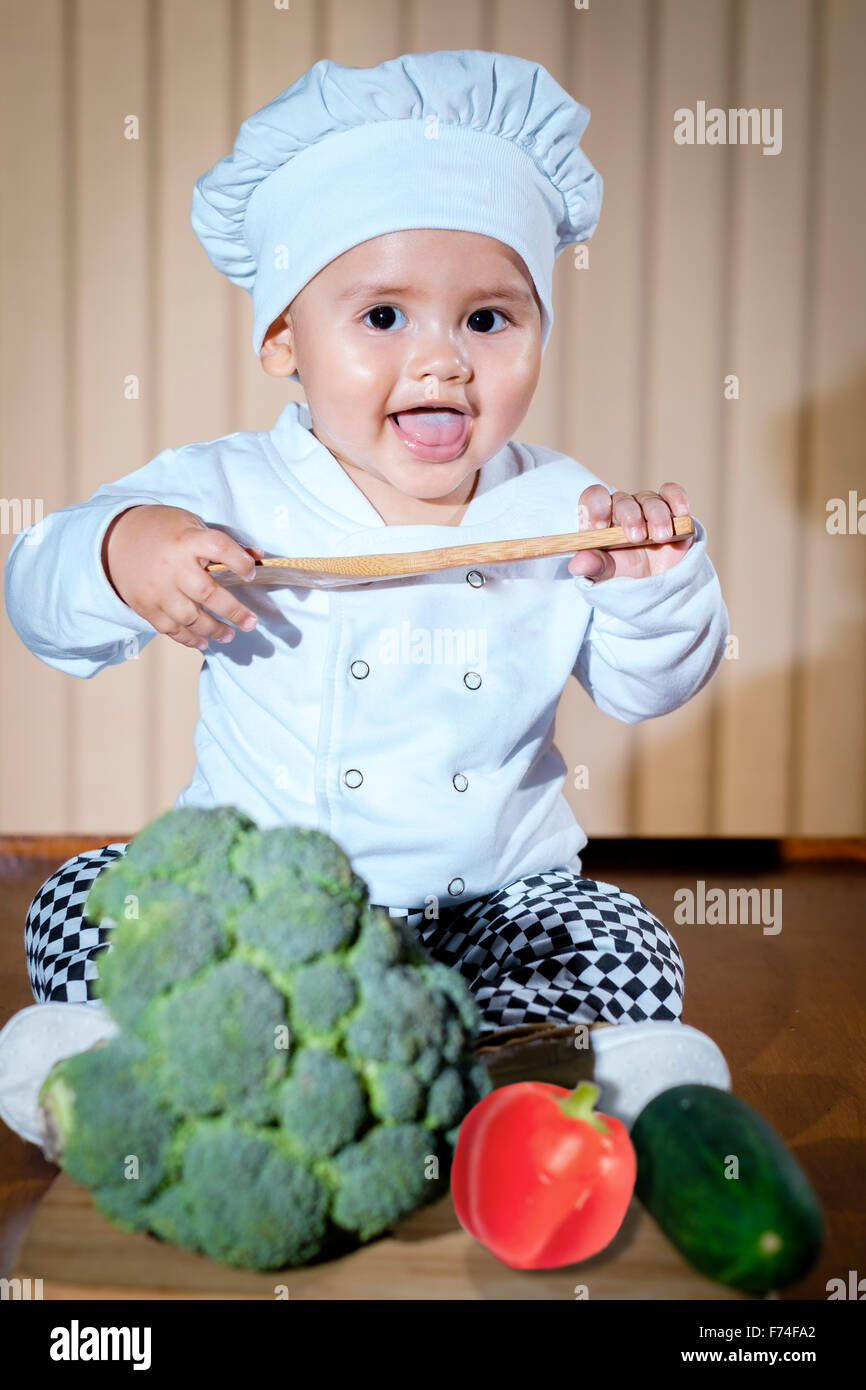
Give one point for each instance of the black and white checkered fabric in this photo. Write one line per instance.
(549, 948)
(61, 944)
(558, 948)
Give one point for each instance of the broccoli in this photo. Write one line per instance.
(381, 1178)
(116, 1137)
(274, 1212)
(292, 1067)
(319, 1130)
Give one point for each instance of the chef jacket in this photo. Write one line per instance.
(412, 720)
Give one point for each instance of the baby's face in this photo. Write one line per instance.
(414, 318)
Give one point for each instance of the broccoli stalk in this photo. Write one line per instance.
(58, 1110)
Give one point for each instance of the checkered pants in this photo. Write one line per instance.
(551, 947)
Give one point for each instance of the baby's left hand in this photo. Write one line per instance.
(642, 514)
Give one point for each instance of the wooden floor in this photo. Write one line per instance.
(787, 1008)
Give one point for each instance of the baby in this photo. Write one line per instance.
(397, 228)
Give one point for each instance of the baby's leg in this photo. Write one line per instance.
(557, 948)
(61, 947)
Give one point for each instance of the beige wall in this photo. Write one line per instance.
(709, 260)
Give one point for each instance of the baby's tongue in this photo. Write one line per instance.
(431, 427)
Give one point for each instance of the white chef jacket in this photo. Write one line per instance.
(412, 720)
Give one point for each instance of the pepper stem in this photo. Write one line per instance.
(579, 1105)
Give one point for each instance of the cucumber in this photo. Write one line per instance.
(755, 1232)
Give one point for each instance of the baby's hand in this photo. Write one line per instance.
(635, 513)
(154, 558)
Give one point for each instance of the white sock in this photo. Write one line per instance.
(30, 1043)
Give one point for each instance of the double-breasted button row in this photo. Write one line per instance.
(353, 777)
(360, 670)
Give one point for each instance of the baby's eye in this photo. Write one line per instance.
(382, 310)
(481, 317)
(484, 314)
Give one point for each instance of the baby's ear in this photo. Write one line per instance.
(277, 352)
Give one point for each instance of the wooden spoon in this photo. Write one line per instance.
(327, 571)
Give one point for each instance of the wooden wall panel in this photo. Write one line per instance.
(829, 743)
(276, 48)
(707, 261)
(447, 24)
(598, 340)
(109, 295)
(194, 387)
(757, 547)
(685, 229)
(543, 32)
(36, 782)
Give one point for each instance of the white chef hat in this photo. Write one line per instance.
(460, 139)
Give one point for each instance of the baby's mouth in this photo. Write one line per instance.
(435, 433)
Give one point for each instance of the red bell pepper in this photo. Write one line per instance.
(539, 1177)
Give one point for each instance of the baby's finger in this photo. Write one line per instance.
(593, 507)
(658, 516)
(596, 565)
(211, 545)
(202, 588)
(188, 617)
(676, 498)
(179, 629)
(627, 513)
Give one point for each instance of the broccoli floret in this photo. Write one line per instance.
(385, 940)
(478, 1084)
(278, 1211)
(293, 924)
(265, 857)
(321, 994)
(102, 1115)
(189, 845)
(292, 1065)
(449, 980)
(445, 1102)
(398, 1018)
(122, 895)
(428, 1065)
(217, 1042)
(169, 1216)
(383, 1178)
(321, 1106)
(395, 1094)
(177, 932)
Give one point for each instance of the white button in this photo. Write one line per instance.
(472, 680)
(353, 777)
(359, 670)
(475, 578)
(456, 886)
(460, 782)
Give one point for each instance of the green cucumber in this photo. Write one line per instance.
(755, 1232)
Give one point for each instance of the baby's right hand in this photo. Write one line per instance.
(154, 559)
